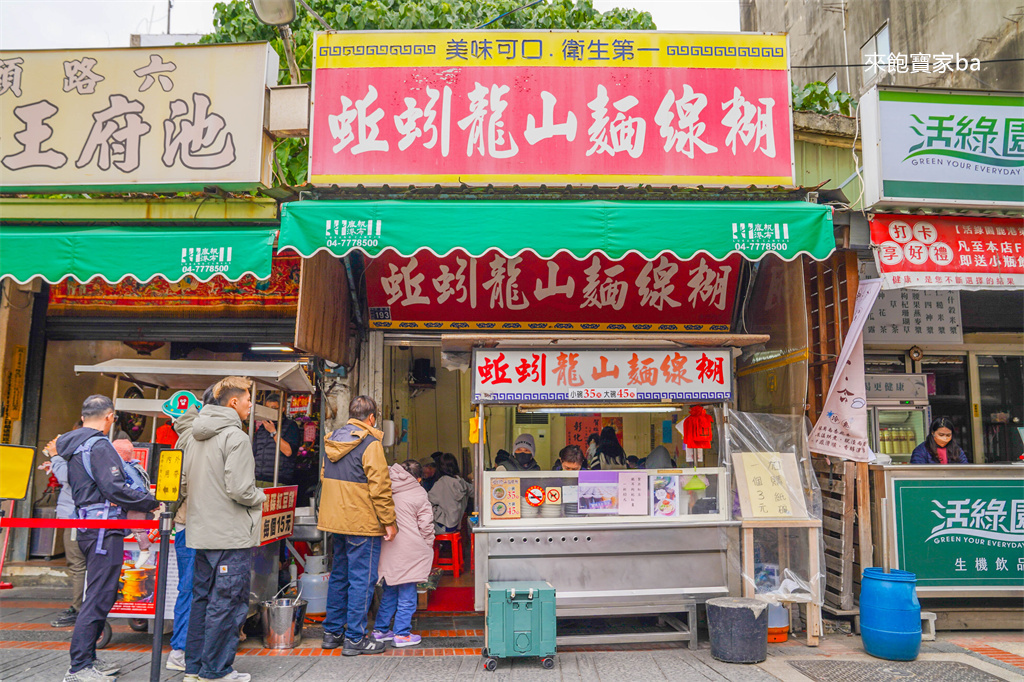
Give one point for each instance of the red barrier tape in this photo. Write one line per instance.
(77, 523)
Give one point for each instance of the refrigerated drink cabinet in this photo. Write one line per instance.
(898, 413)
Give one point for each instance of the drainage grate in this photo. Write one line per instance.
(891, 671)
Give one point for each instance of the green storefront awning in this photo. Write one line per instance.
(614, 228)
(113, 253)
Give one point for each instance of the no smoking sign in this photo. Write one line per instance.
(535, 496)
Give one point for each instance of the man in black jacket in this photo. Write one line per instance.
(268, 439)
(97, 480)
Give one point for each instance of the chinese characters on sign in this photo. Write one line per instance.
(613, 375)
(768, 484)
(961, 532)
(278, 513)
(948, 252)
(915, 316)
(530, 108)
(493, 291)
(578, 429)
(944, 148)
(155, 117)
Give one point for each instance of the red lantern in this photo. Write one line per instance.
(697, 428)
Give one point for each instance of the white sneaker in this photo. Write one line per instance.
(143, 559)
(87, 674)
(190, 678)
(104, 668)
(176, 660)
(233, 676)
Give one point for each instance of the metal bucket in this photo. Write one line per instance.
(282, 620)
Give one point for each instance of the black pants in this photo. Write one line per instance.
(220, 603)
(101, 573)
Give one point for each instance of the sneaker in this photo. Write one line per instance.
(108, 669)
(407, 640)
(176, 660)
(383, 636)
(331, 640)
(66, 619)
(367, 645)
(143, 558)
(190, 678)
(233, 676)
(87, 674)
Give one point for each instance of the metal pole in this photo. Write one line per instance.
(113, 427)
(152, 436)
(160, 594)
(252, 414)
(277, 441)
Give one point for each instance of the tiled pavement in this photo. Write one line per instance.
(31, 650)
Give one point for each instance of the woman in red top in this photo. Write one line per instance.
(939, 447)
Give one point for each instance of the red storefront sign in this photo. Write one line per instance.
(527, 292)
(278, 513)
(948, 252)
(532, 107)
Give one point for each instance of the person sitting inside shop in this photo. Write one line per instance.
(449, 496)
(522, 458)
(571, 458)
(659, 459)
(939, 447)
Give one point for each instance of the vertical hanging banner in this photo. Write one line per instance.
(533, 107)
(138, 119)
(842, 426)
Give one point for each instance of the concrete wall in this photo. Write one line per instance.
(985, 29)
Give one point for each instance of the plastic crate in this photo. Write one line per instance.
(520, 622)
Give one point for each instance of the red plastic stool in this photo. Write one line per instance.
(454, 563)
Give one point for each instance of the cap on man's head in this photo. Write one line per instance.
(525, 441)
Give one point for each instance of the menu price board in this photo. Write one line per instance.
(769, 485)
(543, 376)
(278, 513)
(505, 498)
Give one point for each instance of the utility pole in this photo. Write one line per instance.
(170, 4)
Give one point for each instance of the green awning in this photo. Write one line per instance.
(614, 228)
(113, 253)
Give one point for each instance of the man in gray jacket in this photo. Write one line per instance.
(223, 521)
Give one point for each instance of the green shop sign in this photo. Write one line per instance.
(943, 147)
(961, 532)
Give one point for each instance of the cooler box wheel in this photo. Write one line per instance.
(490, 664)
(548, 662)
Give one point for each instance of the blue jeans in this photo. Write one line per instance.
(186, 557)
(350, 588)
(398, 601)
(220, 603)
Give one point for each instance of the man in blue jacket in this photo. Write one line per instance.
(100, 491)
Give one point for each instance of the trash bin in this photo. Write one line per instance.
(282, 620)
(738, 629)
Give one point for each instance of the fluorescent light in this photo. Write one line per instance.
(272, 348)
(574, 408)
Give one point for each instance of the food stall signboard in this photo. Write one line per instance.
(944, 253)
(769, 485)
(912, 316)
(534, 107)
(961, 532)
(545, 376)
(137, 586)
(278, 513)
(152, 119)
(495, 292)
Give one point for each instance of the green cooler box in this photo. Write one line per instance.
(520, 622)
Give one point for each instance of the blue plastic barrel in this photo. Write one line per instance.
(890, 615)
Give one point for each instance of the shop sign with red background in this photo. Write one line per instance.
(578, 429)
(948, 252)
(494, 292)
(543, 376)
(278, 513)
(535, 107)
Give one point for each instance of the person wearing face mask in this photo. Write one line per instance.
(939, 447)
(522, 458)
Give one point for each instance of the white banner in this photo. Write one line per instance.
(564, 375)
(842, 427)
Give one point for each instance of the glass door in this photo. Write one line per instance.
(1001, 383)
(900, 430)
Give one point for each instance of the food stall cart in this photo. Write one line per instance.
(135, 599)
(960, 530)
(630, 542)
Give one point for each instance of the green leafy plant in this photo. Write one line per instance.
(818, 98)
(235, 22)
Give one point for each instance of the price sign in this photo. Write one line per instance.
(178, 404)
(535, 496)
(168, 478)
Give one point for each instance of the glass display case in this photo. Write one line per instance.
(543, 499)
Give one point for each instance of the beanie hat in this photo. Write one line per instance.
(125, 449)
(525, 441)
